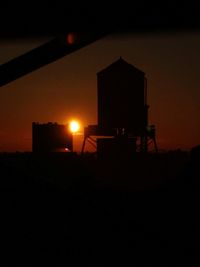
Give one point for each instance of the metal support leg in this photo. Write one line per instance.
(83, 146)
(155, 144)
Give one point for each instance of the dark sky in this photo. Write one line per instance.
(67, 89)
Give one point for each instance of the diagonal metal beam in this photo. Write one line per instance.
(45, 54)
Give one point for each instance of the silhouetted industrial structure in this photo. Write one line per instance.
(51, 137)
(122, 111)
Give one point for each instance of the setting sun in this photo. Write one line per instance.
(74, 126)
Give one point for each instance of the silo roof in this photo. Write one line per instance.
(121, 62)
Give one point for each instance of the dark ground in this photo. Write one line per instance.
(61, 209)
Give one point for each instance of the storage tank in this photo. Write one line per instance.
(121, 98)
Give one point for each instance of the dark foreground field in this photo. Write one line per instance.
(64, 210)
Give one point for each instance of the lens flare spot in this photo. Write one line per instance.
(71, 37)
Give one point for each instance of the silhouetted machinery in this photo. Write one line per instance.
(122, 98)
(122, 111)
(51, 137)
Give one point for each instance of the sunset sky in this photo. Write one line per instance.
(67, 88)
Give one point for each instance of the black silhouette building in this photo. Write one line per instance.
(51, 137)
(122, 110)
(121, 88)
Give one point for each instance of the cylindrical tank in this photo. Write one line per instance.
(121, 97)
